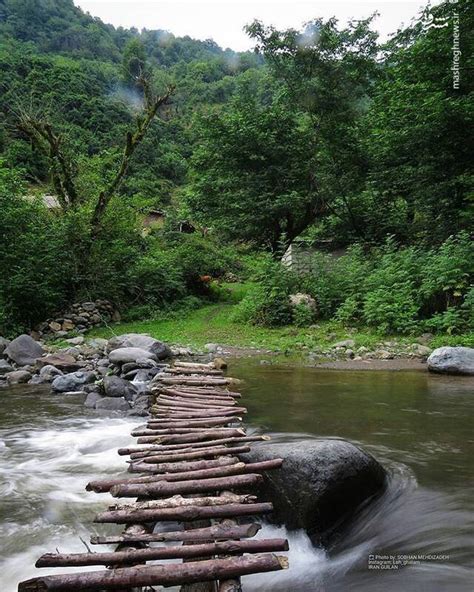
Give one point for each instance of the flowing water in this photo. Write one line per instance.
(418, 425)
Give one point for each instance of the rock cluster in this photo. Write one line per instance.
(112, 375)
(385, 350)
(79, 318)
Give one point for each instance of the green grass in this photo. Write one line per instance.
(212, 323)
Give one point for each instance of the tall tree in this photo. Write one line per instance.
(253, 170)
(328, 73)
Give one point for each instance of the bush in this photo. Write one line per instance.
(267, 302)
(395, 290)
(35, 257)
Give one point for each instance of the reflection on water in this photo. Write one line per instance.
(419, 426)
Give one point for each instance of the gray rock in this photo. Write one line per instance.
(118, 387)
(36, 379)
(345, 343)
(72, 381)
(88, 306)
(92, 399)
(3, 344)
(123, 355)
(211, 347)
(145, 342)
(321, 484)
(49, 373)
(18, 377)
(98, 343)
(5, 367)
(144, 375)
(129, 367)
(62, 360)
(423, 350)
(24, 350)
(383, 354)
(300, 299)
(452, 360)
(76, 340)
(112, 404)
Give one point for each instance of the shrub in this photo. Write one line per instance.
(267, 302)
(35, 257)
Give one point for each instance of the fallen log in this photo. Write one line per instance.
(178, 501)
(195, 381)
(166, 488)
(227, 395)
(139, 451)
(191, 423)
(180, 389)
(178, 467)
(204, 453)
(163, 401)
(144, 432)
(169, 488)
(208, 402)
(168, 413)
(183, 514)
(182, 552)
(179, 363)
(186, 406)
(194, 436)
(204, 389)
(215, 532)
(155, 575)
(105, 485)
(195, 371)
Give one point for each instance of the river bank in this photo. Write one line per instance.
(209, 329)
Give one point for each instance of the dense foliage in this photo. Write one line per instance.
(391, 288)
(322, 134)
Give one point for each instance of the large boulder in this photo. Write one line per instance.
(452, 360)
(24, 350)
(123, 355)
(158, 348)
(72, 382)
(320, 485)
(118, 387)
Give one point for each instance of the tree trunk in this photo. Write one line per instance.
(156, 575)
(165, 488)
(179, 467)
(215, 532)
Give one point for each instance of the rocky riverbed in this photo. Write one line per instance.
(112, 375)
(117, 375)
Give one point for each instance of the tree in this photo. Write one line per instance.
(252, 170)
(419, 137)
(63, 168)
(327, 73)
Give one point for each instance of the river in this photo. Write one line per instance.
(418, 425)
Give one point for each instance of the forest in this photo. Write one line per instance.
(323, 137)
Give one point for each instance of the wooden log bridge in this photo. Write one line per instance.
(185, 470)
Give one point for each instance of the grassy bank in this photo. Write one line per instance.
(212, 324)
